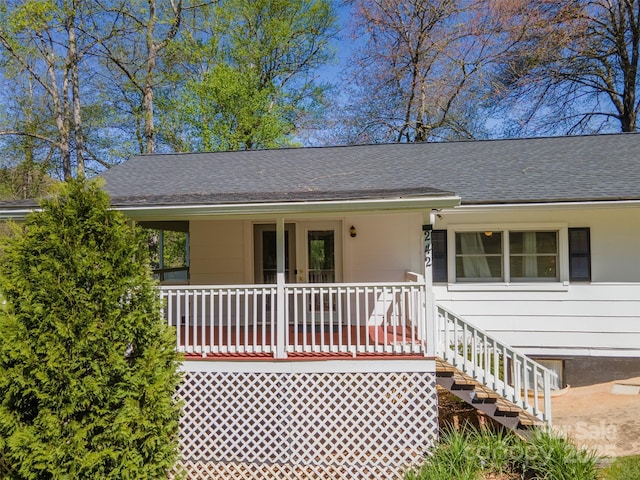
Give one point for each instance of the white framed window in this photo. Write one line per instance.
(505, 255)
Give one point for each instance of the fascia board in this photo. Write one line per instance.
(287, 208)
(488, 208)
(16, 214)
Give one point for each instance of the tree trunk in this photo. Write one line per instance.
(73, 60)
(152, 58)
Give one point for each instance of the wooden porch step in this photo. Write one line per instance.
(443, 368)
(528, 422)
(484, 399)
(486, 396)
(463, 382)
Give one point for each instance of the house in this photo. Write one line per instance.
(324, 292)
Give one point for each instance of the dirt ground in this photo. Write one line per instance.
(595, 417)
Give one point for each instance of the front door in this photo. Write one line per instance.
(265, 261)
(313, 252)
(320, 247)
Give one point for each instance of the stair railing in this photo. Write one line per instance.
(495, 364)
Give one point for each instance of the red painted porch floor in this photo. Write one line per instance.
(242, 343)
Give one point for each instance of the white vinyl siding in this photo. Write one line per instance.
(594, 308)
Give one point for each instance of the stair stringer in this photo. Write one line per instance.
(485, 400)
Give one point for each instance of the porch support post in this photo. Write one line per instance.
(430, 317)
(281, 321)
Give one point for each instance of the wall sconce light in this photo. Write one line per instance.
(353, 232)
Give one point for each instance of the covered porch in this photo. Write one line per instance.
(344, 279)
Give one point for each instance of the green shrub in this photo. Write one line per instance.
(555, 457)
(87, 367)
(494, 449)
(471, 454)
(624, 468)
(450, 458)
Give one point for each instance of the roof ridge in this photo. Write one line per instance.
(446, 142)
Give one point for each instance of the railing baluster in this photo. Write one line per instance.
(496, 364)
(547, 396)
(358, 320)
(518, 378)
(525, 383)
(218, 320)
(274, 316)
(203, 320)
(348, 291)
(211, 321)
(373, 318)
(228, 321)
(331, 306)
(339, 314)
(536, 391)
(187, 319)
(321, 326)
(254, 320)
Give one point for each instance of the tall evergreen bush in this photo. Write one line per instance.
(87, 368)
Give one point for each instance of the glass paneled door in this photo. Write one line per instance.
(265, 261)
(313, 252)
(321, 256)
(320, 245)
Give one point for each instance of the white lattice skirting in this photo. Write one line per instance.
(306, 425)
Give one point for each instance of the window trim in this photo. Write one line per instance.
(563, 257)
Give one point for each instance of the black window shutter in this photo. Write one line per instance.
(580, 254)
(439, 255)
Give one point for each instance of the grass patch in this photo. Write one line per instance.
(623, 468)
(472, 454)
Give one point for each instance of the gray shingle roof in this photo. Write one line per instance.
(581, 168)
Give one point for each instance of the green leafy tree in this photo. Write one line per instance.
(87, 367)
(246, 72)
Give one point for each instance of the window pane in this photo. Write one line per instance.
(547, 242)
(174, 249)
(168, 250)
(479, 256)
(533, 242)
(490, 269)
(533, 255)
(321, 261)
(479, 243)
(545, 267)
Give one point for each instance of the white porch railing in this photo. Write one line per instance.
(347, 319)
(495, 364)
